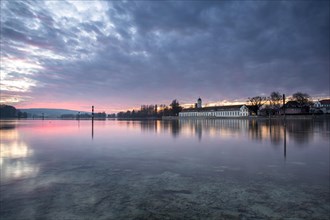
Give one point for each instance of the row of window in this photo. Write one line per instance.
(320, 105)
(215, 114)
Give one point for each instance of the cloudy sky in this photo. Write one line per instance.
(117, 55)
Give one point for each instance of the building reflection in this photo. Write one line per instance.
(159, 126)
(14, 155)
(299, 131)
(276, 132)
(267, 129)
(195, 127)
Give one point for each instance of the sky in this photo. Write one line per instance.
(117, 55)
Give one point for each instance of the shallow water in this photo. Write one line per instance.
(185, 169)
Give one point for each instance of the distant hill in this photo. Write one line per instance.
(49, 112)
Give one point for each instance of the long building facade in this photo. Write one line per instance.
(215, 111)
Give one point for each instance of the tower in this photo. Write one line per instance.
(199, 103)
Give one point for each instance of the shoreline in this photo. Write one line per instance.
(281, 117)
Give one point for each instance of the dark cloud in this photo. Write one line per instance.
(146, 51)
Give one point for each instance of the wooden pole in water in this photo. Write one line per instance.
(92, 121)
(284, 106)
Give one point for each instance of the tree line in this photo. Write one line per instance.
(8, 111)
(153, 111)
(275, 100)
(99, 115)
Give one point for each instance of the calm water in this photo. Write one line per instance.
(187, 169)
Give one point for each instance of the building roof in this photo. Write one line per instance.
(325, 102)
(214, 108)
(292, 104)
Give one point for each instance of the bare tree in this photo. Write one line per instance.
(302, 99)
(256, 102)
(275, 100)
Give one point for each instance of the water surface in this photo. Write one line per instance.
(185, 169)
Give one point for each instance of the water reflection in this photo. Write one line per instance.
(14, 154)
(182, 165)
(92, 128)
(300, 131)
(284, 141)
(279, 133)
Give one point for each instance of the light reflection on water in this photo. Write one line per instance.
(195, 169)
(14, 153)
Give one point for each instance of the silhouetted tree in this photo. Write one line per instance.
(84, 116)
(21, 114)
(256, 102)
(175, 107)
(100, 115)
(302, 99)
(147, 111)
(68, 116)
(8, 111)
(152, 111)
(275, 100)
(165, 111)
(112, 115)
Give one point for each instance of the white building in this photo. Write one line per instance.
(323, 105)
(215, 111)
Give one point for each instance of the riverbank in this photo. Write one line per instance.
(276, 117)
